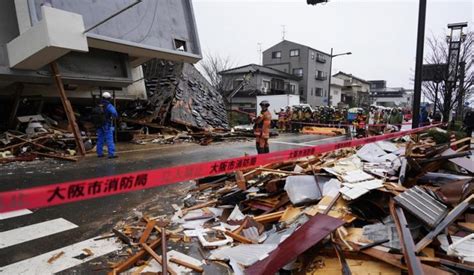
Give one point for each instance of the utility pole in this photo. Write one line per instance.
(330, 72)
(419, 64)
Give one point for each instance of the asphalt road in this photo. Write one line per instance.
(29, 235)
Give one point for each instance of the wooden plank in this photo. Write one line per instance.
(238, 238)
(14, 146)
(121, 267)
(406, 240)
(188, 265)
(164, 265)
(68, 109)
(199, 206)
(149, 227)
(451, 217)
(155, 256)
(240, 180)
(16, 104)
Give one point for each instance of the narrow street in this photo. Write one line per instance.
(28, 235)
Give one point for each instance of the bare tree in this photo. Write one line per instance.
(211, 65)
(438, 54)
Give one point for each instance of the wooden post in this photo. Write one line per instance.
(16, 105)
(68, 108)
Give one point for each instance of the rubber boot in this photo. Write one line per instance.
(266, 150)
(259, 151)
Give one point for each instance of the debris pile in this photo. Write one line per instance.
(38, 136)
(178, 97)
(388, 206)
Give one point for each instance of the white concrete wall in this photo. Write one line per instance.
(57, 34)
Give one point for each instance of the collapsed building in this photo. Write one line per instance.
(58, 56)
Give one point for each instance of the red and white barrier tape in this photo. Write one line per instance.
(350, 124)
(79, 190)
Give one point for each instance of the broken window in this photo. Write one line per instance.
(276, 54)
(295, 52)
(180, 45)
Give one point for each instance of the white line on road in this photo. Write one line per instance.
(16, 213)
(289, 143)
(34, 231)
(324, 139)
(39, 264)
(306, 144)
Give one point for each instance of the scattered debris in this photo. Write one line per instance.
(55, 257)
(338, 207)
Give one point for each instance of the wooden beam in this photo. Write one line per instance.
(188, 265)
(121, 267)
(239, 238)
(16, 105)
(158, 259)
(68, 109)
(149, 227)
(451, 217)
(164, 248)
(406, 240)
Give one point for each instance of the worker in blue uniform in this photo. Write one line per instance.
(105, 133)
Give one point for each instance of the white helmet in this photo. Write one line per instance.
(106, 95)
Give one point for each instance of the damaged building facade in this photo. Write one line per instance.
(97, 46)
(260, 80)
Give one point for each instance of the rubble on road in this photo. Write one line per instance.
(391, 206)
(51, 143)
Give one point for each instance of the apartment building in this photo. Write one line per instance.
(310, 64)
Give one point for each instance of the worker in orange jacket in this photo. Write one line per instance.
(262, 128)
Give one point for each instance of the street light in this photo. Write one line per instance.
(330, 73)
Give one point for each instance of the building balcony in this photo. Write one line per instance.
(321, 77)
(320, 58)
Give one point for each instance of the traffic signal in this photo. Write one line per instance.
(315, 2)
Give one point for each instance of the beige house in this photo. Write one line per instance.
(336, 90)
(355, 91)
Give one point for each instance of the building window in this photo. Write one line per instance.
(298, 71)
(180, 45)
(319, 91)
(266, 86)
(276, 55)
(301, 90)
(292, 88)
(320, 75)
(294, 52)
(320, 58)
(312, 55)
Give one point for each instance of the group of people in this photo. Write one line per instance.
(293, 118)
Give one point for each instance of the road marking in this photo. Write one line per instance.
(34, 231)
(323, 139)
(16, 213)
(305, 144)
(289, 143)
(39, 264)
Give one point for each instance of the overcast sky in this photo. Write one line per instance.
(381, 34)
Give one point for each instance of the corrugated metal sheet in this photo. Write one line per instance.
(422, 205)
